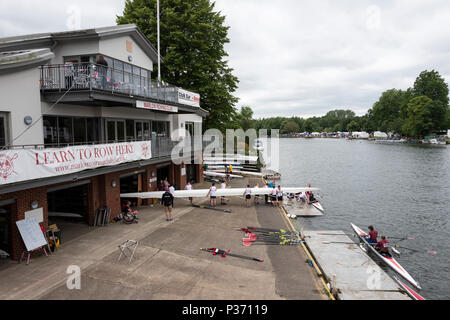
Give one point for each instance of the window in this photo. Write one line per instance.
(68, 130)
(139, 131)
(161, 128)
(130, 130)
(3, 129)
(65, 130)
(127, 72)
(118, 71)
(79, 130)
(93, 130)
(115, 131)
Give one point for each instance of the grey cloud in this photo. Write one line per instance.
(296, 57)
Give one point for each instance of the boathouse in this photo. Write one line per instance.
(82, 121)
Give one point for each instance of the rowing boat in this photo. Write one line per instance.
(244, 173)
(413, 294)
(389, 261)
(317, 205)
(221, 175)
(201, 193)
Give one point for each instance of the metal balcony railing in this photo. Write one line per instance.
(87, 76)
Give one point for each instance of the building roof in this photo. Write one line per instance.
(23, 59)
(42, 40)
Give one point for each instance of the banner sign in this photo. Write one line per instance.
(188, 98)
(30, 164)
(155, 106)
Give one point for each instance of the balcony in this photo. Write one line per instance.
(93, 77)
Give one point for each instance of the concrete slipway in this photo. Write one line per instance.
(354, 275)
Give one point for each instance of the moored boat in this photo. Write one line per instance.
(389, 261)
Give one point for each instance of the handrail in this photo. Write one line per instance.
(89, 76)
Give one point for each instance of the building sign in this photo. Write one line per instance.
(188, 98)
(155, 106)
(129, 46)
(30, 164)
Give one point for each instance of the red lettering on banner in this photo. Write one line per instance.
(87, 153)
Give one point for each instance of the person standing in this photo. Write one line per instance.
(223, 186)
(256, 196)
(172, 190)
(279, 196)
(212, 195)
(166, 183)
(248, 195)
(161, 186)
(189, 188)
(266, 196)
(273, 196)
(167, 202)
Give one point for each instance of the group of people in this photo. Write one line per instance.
(381, 246)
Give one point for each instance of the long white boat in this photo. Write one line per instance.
(201, 193)
(244, 173)
(220, 175)
(389, 261)
(215, 167)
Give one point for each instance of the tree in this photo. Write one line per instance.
(193, 36)
(245, 118)
(291, 127)
(419, 122)
(389, 112)
(309, 125)
(432, 85)
(353, 126)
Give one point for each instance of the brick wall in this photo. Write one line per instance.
(17, 212)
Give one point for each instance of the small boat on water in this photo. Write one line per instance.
(391, 141)
(389, 261)
(435, 142)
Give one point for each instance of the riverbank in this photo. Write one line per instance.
(168, 263)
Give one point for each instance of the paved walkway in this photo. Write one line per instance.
(168, 263)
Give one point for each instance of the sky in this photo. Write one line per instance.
(293, 57)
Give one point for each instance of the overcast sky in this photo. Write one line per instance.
(293, 57)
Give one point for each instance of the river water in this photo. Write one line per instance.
(403, 190)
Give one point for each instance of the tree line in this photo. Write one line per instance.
(415, 112)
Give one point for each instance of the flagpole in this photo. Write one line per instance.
(159, 52)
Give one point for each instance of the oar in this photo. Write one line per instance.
(267, 231)
(212, 208)
(247, 244)
(284, 242)
(415, 250)
(354, 235)
(223, 253)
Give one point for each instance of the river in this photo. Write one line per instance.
(403, 190)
